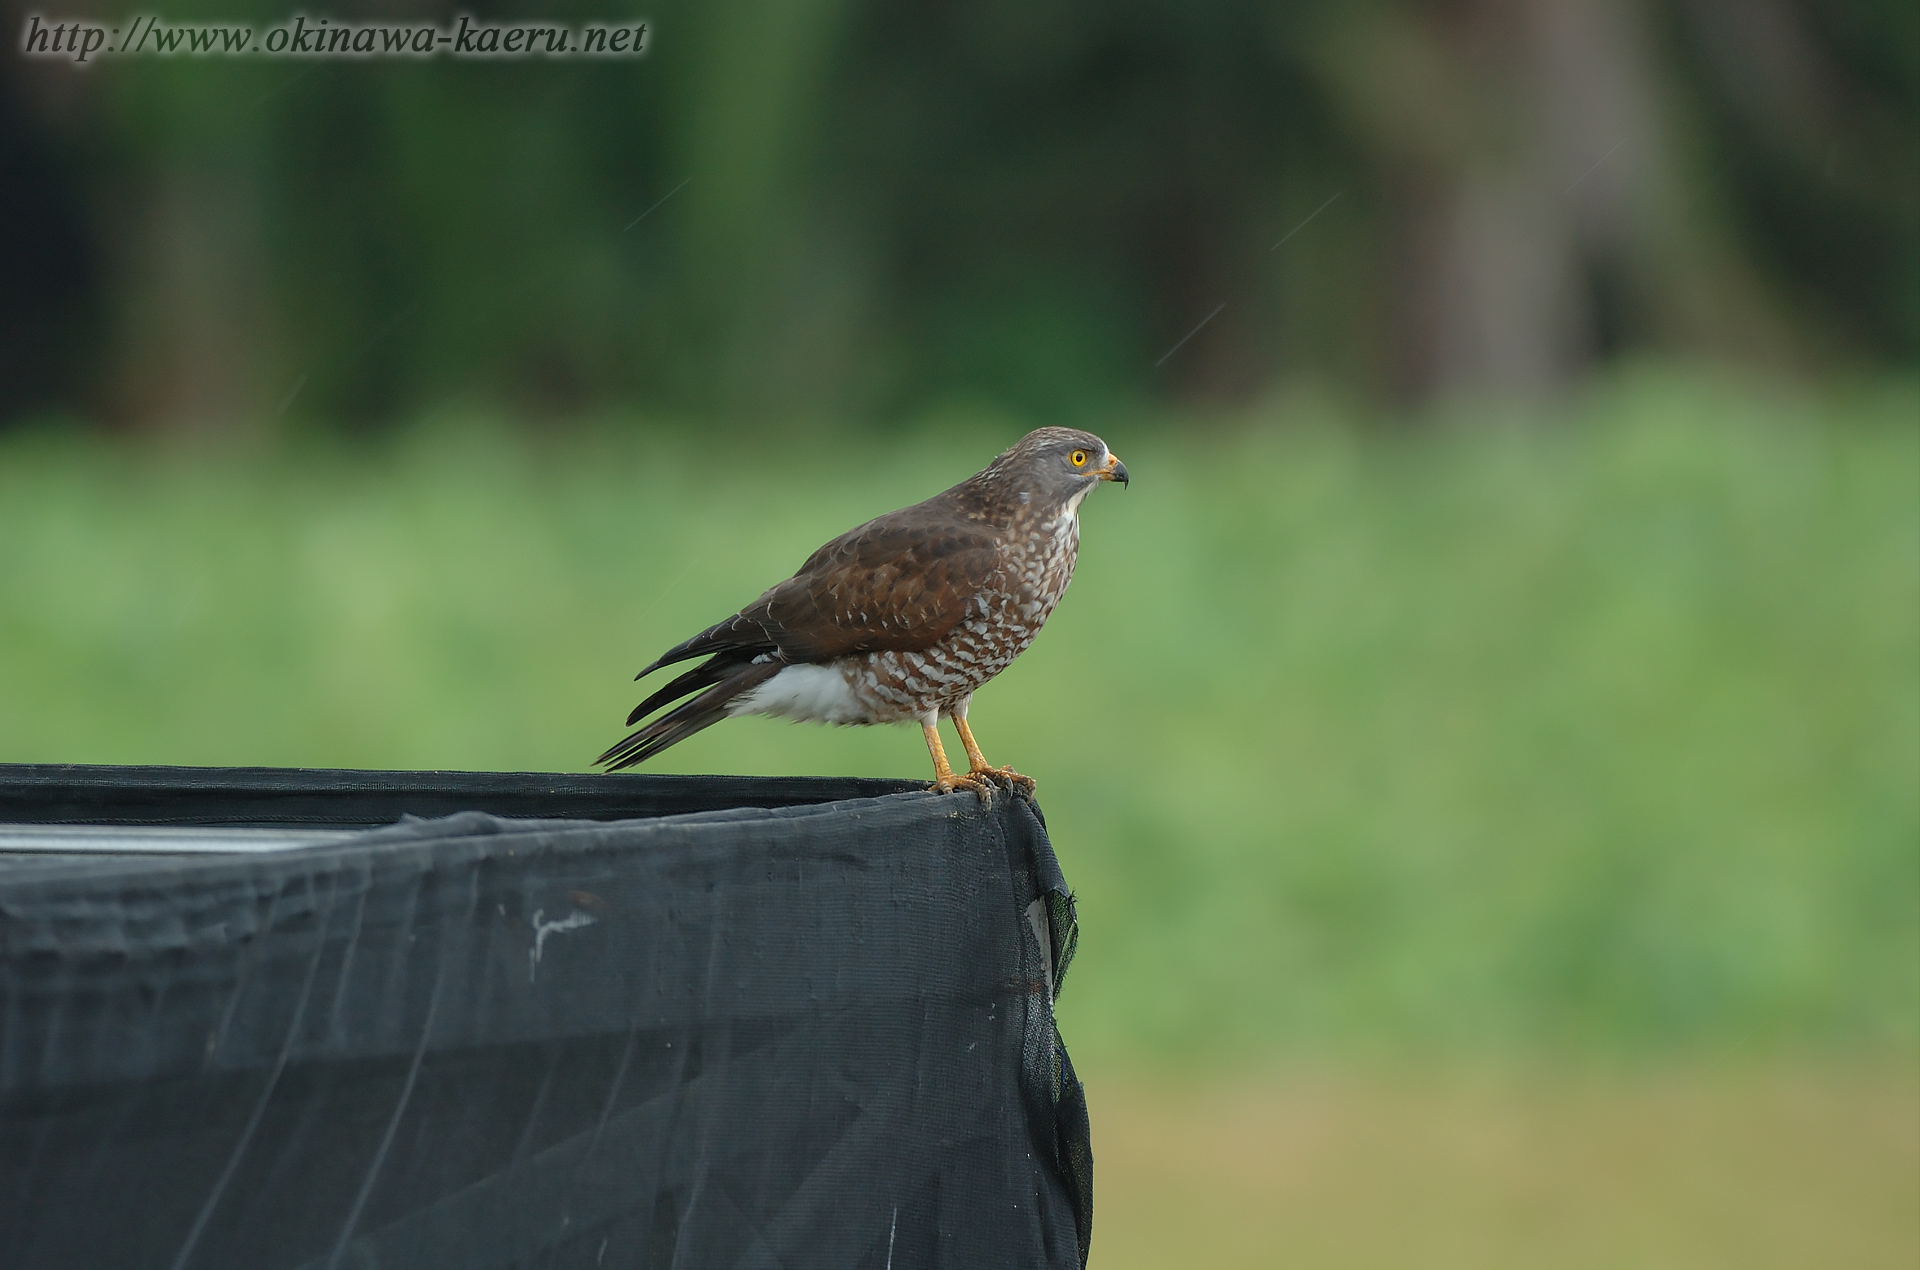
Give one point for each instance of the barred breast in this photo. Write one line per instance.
(1001, 621)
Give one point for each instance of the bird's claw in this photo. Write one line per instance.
(1008, 779)
(982, 789)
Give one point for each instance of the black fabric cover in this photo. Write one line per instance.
(794, 1023)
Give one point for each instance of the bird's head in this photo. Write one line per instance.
(1058, 465)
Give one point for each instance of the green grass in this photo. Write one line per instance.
(1597, 732)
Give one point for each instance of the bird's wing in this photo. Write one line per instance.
(900, 583)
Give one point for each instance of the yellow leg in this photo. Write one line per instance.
(944, 781)
(977, 762)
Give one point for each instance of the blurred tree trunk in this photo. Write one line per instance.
(191, 349)
(755, 81)
(1537, 221)
(179, 224)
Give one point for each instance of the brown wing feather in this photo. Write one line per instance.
(900, 582)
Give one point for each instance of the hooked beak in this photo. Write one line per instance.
(1115, 470)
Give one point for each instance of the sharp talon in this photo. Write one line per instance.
(983, 789)
(1007, 778)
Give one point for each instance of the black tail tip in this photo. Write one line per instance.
(618, 755)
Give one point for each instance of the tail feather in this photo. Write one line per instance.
(689, 717)
(736, 635)
(711, 671)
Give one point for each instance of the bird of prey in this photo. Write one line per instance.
(901, 619)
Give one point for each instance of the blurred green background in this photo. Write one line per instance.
(1486, 736)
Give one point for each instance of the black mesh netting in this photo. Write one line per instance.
(563, 1021)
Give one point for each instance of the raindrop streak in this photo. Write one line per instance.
(1596, 165)
(271, 93)
(656, 207)
(292, 392)
(1308, 221)
(1189, 335)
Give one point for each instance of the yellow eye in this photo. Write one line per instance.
(1079, 458)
